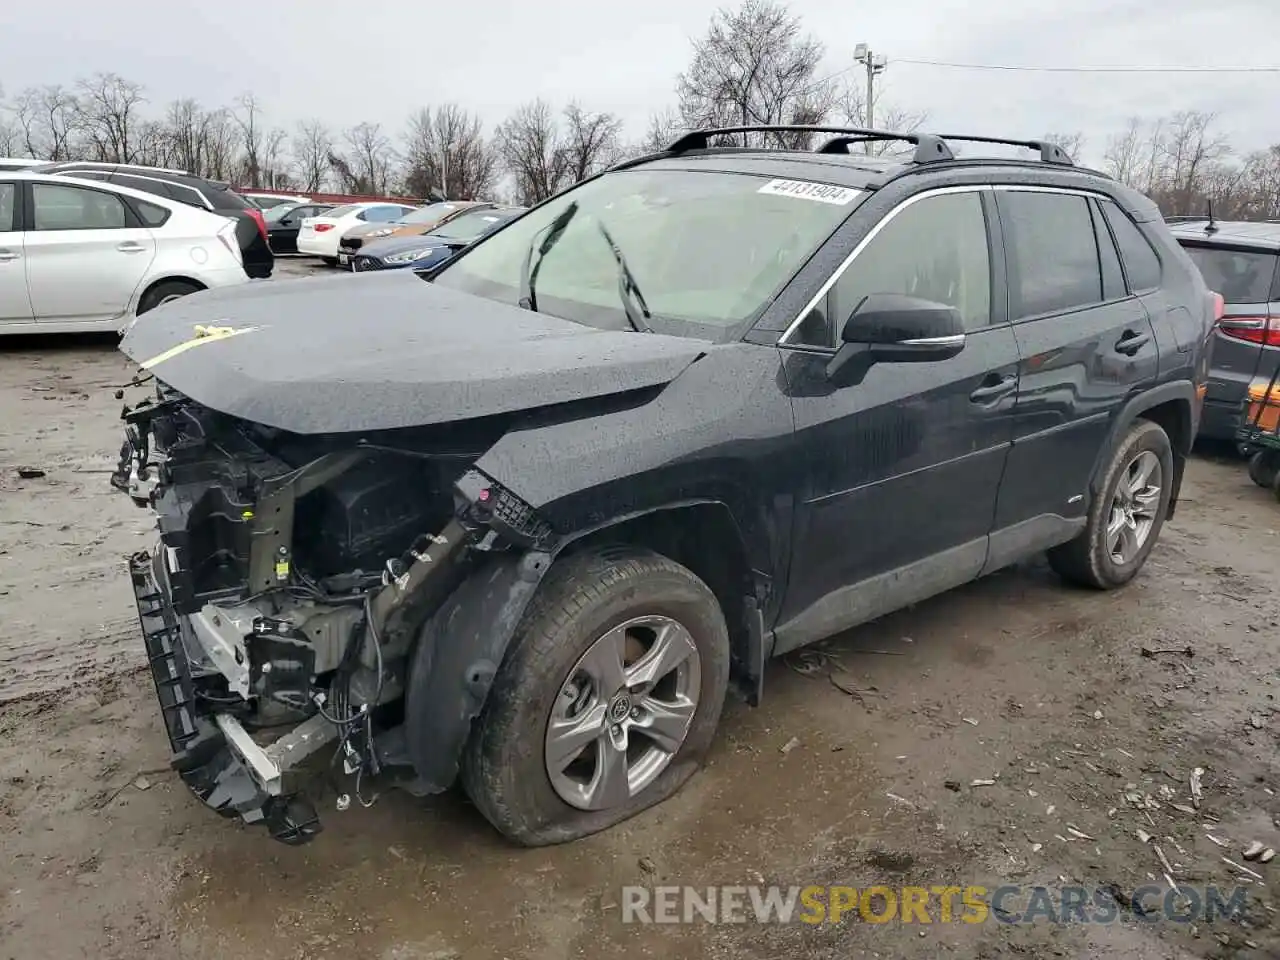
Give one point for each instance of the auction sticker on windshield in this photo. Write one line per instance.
(805, 190)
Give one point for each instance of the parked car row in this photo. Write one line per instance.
(81, 255)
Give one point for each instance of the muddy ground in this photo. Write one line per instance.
(1015, 679)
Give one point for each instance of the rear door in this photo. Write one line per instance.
(15, 304)
(86, 253)
(1247, 340)
(1086, 346)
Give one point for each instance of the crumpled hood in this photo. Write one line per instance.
(385, 350)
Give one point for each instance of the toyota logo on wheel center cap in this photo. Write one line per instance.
(620, 708)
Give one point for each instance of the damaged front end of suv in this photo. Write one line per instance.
(333, 560)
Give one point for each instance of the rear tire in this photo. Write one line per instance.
(1100, 557)
(164, 292)
(548, 681)
(1263, 467)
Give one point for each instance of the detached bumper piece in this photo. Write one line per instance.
(214, 755)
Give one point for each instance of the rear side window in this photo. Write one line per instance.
(1140, 262)
(223, 199)
(151, 214)
(345, 210)
(1053, 253)
(145, 184)
(8, 191)
(1241, 276)
(188, 195)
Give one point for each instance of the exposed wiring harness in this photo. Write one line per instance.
(351, 722)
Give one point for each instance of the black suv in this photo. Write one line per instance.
(1241, 261)
(212, 195)
(524, 520)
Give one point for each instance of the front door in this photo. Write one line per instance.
(85, 253)
(1087, 345)
(902, 469)
(15, 305)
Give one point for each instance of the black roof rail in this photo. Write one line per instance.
(1049, 152)
(929, 148)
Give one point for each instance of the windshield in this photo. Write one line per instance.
(1241, 276)
(709, 250)
(468, 226)
(272, 214)
(342, 211)
(428, 214)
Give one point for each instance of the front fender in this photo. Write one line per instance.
(456, 658)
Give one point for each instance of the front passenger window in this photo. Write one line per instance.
(934, 249)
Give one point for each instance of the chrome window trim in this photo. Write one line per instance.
(950, 340)
(884, 221)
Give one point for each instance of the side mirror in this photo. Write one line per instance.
(286, 221)
(891, 328)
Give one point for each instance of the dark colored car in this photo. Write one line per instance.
(251, 227)
(284, 221)
(434, 247)
(1241, 261)
(523, 521)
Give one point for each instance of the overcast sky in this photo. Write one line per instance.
(378, 60)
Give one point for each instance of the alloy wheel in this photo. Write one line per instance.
(1133, 507)
(622, 713)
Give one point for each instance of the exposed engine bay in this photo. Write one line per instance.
(292, 578)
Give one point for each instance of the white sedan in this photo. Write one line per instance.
(319, 236)
(83, 255)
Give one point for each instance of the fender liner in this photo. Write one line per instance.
(1182, 390)
(456, 658)
(461, 647)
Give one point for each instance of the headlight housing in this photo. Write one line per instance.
(408, 256)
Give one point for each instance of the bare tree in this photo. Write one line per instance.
(446, 153)
(665, 126)
(592, 141)
(46, 119)
(367, 164)
(106, 110)
(275, 166)
(248, 118)
(532, 151)
(312, 144)
(755, 65)
(851, 108)
(1191, 149)
(1072, 144)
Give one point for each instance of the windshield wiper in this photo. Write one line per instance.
(529, 271)
(633, 304)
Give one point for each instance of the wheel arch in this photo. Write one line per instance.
(1171, 405)
(172, 278)
(461, 647)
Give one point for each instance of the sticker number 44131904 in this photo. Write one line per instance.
(804, 190)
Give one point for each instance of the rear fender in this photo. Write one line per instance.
(1181, 397)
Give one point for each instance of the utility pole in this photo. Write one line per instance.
(875, 64)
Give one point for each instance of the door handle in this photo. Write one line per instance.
(1131, 342)
(994, 390)
(129, 246)
(7, 255)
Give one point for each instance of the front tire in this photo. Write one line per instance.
(1263, 467)
(1125, 519)
(606, 703)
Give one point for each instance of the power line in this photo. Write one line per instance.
(1033, 69)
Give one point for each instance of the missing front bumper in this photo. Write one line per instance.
(213, 753)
